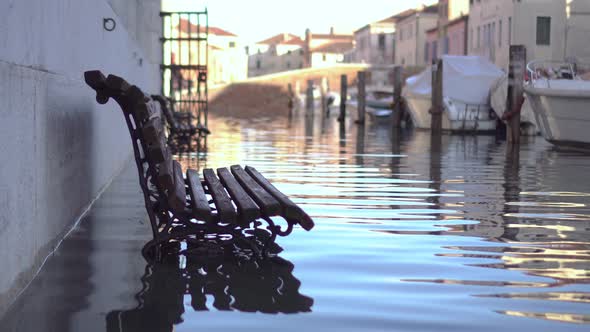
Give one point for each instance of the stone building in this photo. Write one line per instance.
(450, 34)
(275, 54)
(410, 36)
(227, 61)
(375, 43)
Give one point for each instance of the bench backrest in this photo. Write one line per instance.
(146, 127)
(166, 107)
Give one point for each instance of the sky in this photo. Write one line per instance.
(255, 20)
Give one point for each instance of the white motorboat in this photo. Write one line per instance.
(560, 99)
(466, 92)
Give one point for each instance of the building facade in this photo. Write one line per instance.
(450, 34)
(321, 50)
(539, 25)
(275, 54)
(227, 61)
(578, 30)
(375, 43)
(410, 36)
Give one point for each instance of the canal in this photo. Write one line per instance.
(412, 234)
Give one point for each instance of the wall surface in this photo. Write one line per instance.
(514, 23)
(59, 147)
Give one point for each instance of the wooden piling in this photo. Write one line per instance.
(324, 98)
(397, 96)
(343, 95)
(437, 98)
(309, 96)
(291, 98)
(516, 70)
(361, 96)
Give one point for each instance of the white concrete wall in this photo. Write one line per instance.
(59, 147)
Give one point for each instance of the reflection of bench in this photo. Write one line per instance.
(225, 282)
(219, 208)
(181, 128)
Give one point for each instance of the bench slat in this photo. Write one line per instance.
(247, 209)
(158, 152)
(291, 210)
(177, 197)
(225, 208)
(199, 202)
(152, 130)
(267, 203)
(166, 174)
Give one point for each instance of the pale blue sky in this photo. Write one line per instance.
(255, 20)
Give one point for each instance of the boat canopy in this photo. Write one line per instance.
(465, 78)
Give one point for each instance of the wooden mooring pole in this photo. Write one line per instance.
(516, 70)
(361, 96)
(290, 102)
(397, 96)
(309, 97)
(437, 98)
(324, 98)
(343, 95)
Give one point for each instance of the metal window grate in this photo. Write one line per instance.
(185, 53)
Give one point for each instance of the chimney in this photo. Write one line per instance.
(332, 31)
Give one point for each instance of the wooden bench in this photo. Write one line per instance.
(182, 132)
(224, 205)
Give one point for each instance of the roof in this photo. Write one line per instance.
(388, 20)
(430, 9)
(186, 26)
(458, 20)
(431, 30)
(404, 14)
(282, 38)
(331, 36)
(336, 47)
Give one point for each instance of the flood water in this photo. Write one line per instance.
(412, 234)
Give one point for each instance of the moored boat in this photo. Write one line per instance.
(560, 99)
(466, 92)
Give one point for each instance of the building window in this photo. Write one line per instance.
(434, 51)
(478, 37)
(258, 64)
(509, 31)
(500, 33)
(543, 30)
(288, 64)
(381, 41)
(401, 34)
(426, 51)
(301, 51)
(232, 44)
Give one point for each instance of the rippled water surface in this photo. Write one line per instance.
(420, 234)
(412, 234)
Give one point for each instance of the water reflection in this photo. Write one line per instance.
(532, 218)
(205, 279)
